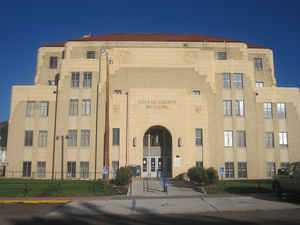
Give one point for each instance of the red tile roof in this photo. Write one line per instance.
(153, 37)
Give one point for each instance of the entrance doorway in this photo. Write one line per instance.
(157, 152)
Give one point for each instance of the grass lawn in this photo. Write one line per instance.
(43, 188)
(240, 187)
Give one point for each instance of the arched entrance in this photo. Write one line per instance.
(157, 152)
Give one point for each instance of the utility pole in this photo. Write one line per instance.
(107, 122)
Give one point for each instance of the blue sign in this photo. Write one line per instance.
(221, 170)
(105, 170)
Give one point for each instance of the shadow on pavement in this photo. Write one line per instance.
(147, 218)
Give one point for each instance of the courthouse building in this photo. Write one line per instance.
(175, 101)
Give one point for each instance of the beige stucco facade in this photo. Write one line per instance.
(158, 81)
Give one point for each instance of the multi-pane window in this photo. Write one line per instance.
(53, 62)
(199, 164)
(242, 169)
(84, 170)
(271, 169)
(238, 80)
(86, 107)
(28, 138)
(258, 63)
(44, 109)
(284, 164)
(75, 79)
(198, 136)
(85, 138)
(90, 54)
(30, 109)
(229, 169)
(268, 110)
(241, 138)
(227, 138)
(87, 79)
(72, 138)
(281, 110)
(118, 92)
(43, 136)
(26, 169)
(239, 107)
(283, 139)
(227, 105)
(73, 107)
(221, 55)
(116, 136)
(196, 92)
(71, 169)
(41, 169)
(260, 84)
(269, 139)
(226, 80)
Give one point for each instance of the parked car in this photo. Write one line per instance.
(287, 180)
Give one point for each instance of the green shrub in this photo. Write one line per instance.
(203, 176)
(212, 175)
(197, 174)
(123, 175)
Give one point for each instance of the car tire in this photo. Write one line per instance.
(277, 189)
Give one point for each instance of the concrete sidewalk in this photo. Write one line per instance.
(170, 206)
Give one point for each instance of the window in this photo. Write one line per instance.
(199, 164)
(86, 107)
(72, 138)
(196, 92)
(43, 136)
(28, 138)
(239, 107)
(241, 138)
(51, 82)
(85, 138)
(242, 169)
(238, 80)
(283, 139)
(227, 105)
(226, 80)
(84, 170)
(118, 92)
(227, 138)
(87, 79)
(268, 110)
(73, 107)
(41, 169)
(44, 108)
(71, 169)
(116, 136)
(284, 165)
(75, 78)
(260, 84)
(229, 169)
(281, 110)
(114, 169)
(269, 140)
(26, 169)
(30, 109)
(221, 55)
(271, 169)
(53, 62)
(258, 63)
(63, 54)
(90, 54)
(198, 136)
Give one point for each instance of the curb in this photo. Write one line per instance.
(35, 201)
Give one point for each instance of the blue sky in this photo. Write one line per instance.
(26, 25)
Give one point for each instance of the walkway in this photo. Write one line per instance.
(154, 188)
